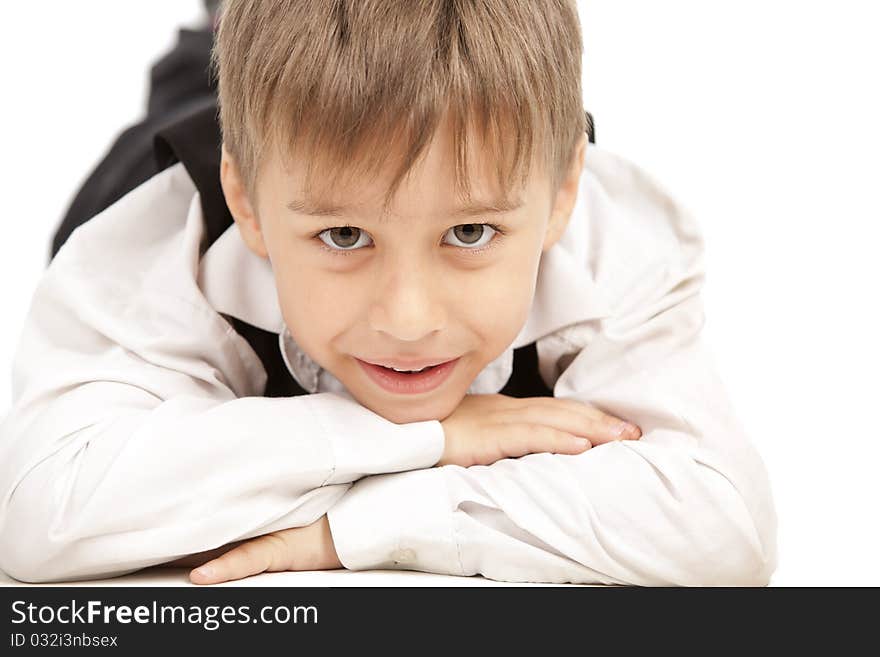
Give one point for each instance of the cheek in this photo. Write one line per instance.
(505, 298)
(313, 305)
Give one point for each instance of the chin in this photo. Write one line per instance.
(405, 411)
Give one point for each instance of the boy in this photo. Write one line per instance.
(206, 372)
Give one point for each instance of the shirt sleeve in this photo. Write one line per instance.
(137, 434)
(688, 504)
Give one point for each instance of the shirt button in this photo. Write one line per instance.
(403, 556)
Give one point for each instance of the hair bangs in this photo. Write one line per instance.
(351, 90)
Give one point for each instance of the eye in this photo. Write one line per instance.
(342, 239)
(474, 237)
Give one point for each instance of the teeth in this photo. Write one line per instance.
(410, 371)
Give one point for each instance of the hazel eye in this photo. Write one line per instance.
(472, 235)
(344, 238)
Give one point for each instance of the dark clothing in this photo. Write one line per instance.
(179, 82)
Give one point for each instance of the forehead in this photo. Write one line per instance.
(429, 187)
(360, 180)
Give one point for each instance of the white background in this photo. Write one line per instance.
(762, 117)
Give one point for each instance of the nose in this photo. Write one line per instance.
(408, 301)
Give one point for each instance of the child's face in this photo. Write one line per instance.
(411, 286)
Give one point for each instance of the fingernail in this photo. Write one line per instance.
(625, 430)
(205, 571)
(580, 443)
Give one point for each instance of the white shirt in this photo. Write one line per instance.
(138, 433)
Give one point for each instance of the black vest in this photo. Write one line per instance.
(195, 139)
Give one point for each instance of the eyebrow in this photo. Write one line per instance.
(499, 206)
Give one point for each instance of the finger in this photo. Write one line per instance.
(200, 558)
(560, 442)
(251, 558)
(522, 439)
(611, 429)
(623, 429)
(569, 443)
(585, 420)
(574, 417)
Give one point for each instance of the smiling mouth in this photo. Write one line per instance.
(402, 371)
(409, 365)
(409, 382)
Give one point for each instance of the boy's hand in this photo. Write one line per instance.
(487, 428)
(300, 548)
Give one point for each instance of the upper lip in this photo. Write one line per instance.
(403, 364)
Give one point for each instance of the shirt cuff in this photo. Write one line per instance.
(365, 443)
(397, 521)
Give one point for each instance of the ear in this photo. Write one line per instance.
(240, 205)
(563, 204)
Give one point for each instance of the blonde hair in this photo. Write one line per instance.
(357, 80)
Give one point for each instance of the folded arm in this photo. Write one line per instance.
(136, 436)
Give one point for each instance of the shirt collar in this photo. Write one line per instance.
(237, 282)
